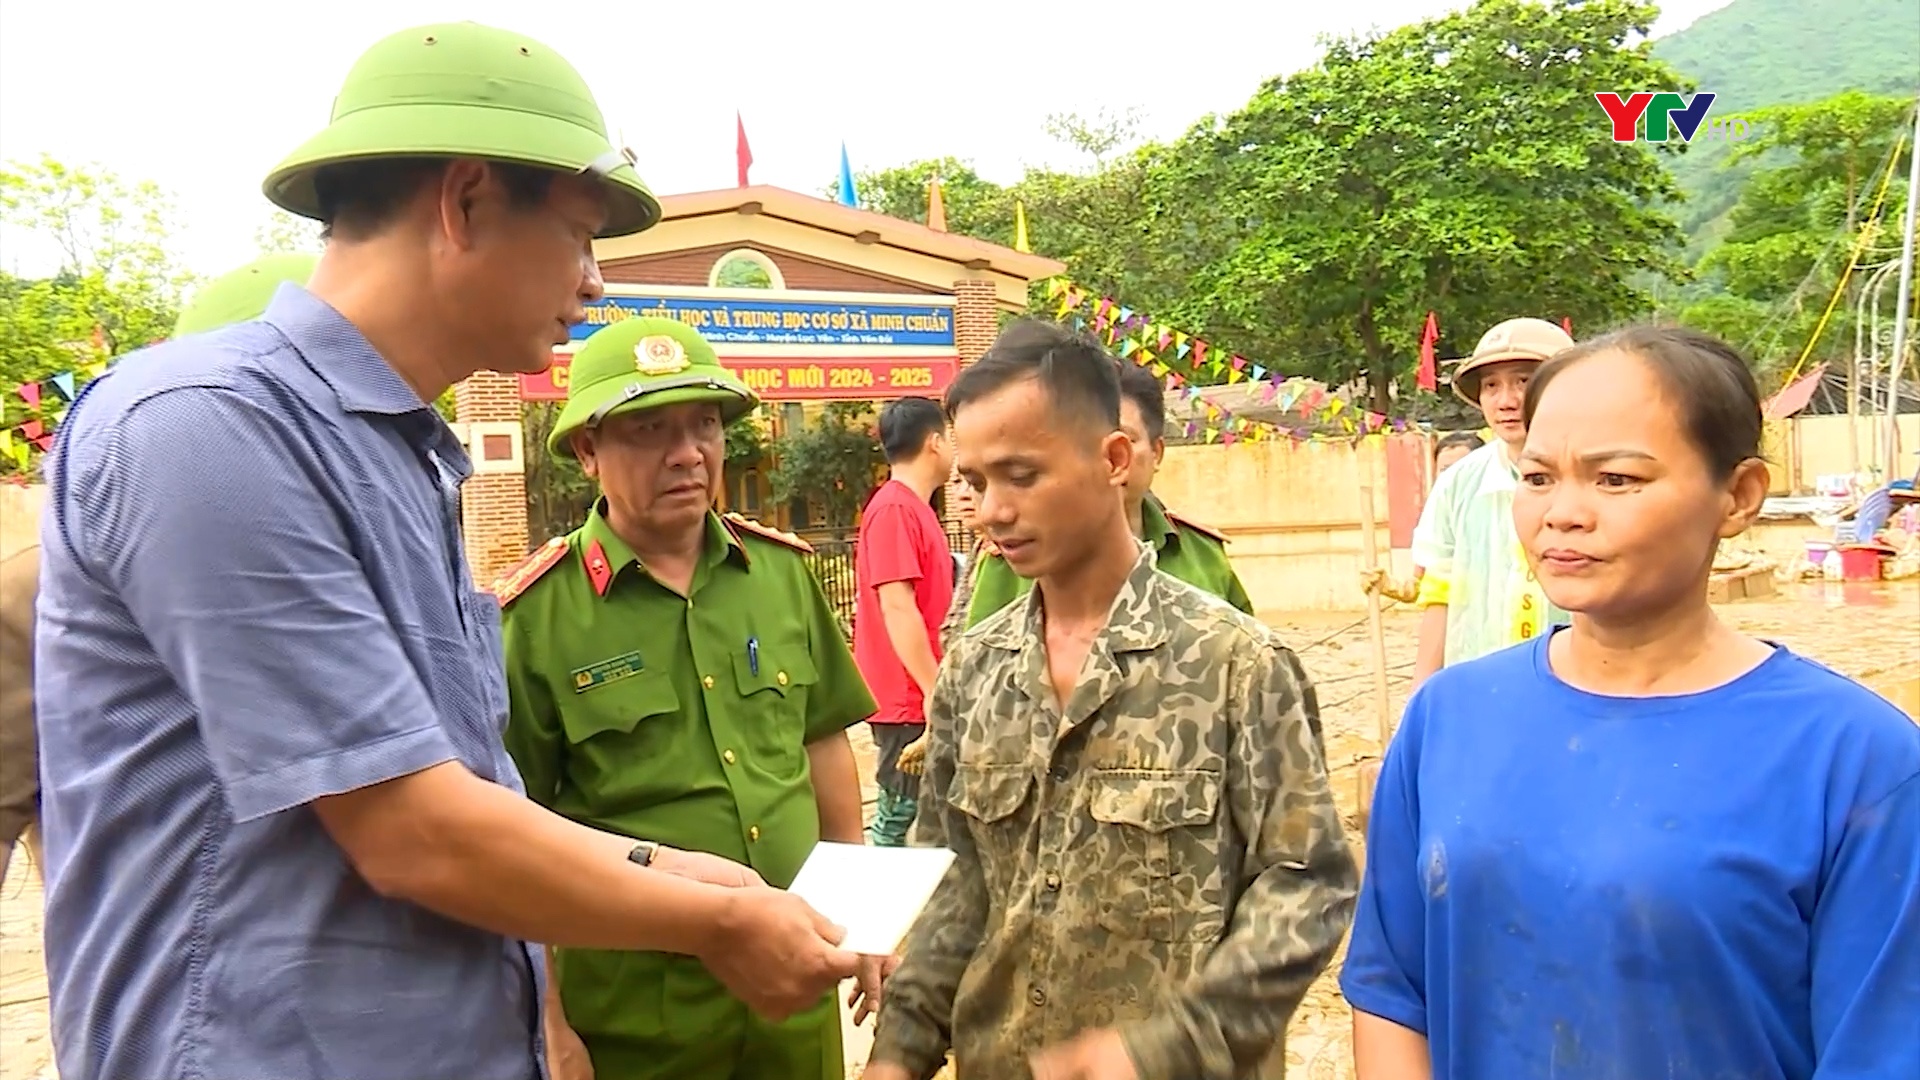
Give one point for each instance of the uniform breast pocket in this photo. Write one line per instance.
(773, 681)
(617, 733)
(991, 796)
(1153, 846)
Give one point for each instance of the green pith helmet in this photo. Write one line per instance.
(644, 364)
(242, 294)
(462, 90)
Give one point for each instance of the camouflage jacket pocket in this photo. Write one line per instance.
(1153, 849)
(992, 798)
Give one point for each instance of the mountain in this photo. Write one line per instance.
(1754, 53)
(1783, 52)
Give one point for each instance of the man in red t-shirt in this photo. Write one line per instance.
(905, 572)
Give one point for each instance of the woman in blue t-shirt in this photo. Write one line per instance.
(1646, 846)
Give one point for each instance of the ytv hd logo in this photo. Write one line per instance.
(1667, 114)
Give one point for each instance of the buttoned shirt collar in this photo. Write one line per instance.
(717, 544)
(356, 372)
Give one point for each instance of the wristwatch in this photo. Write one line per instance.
(643, 853)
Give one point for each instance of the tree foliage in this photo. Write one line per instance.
(116, 273)
(115, 285)
(1313, 228)
(1398, 177)
(832, 462)
(974, 207)
(1767, 283)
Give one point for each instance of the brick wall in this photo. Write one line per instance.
(493, 505)
(976, 322)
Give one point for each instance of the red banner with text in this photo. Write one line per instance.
(799, 378)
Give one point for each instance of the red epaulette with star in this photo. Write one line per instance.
(766, 532)
(1203, 530)
(511, 584)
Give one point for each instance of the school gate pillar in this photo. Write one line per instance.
(976, 322)
(494, 500)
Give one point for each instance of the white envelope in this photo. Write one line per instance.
(874, 892)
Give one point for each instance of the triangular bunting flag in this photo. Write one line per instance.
(30, 391)
(63, 385)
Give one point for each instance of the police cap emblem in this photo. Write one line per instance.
(660, 355)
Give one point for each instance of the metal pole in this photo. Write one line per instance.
(1861, 334)
(1903, 301)
(1872, 386)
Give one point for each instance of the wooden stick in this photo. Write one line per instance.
(1376, 627)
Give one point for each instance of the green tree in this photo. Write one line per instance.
(831, 462)
(975, 207)
(1767, 283)
(1452, 165)
(116, 286)
(1118, 221)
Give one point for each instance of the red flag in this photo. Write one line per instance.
(1429, 376)
(743, 154)
(1566, 323)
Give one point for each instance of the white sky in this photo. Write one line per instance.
(205, 98)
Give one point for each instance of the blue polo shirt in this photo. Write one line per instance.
(253, 595)
(1695, 887)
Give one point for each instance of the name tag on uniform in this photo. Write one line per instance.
(606, 671)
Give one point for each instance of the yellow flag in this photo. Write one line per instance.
(936, 207)
(1020, 227)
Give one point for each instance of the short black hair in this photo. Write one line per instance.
(1711, 384)
(1080, 377)
(1459, 438)
(359, 198)
(905, 424)
(1138, 385)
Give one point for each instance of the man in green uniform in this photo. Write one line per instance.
(678, 676)
(1191, 552)
(235, 296)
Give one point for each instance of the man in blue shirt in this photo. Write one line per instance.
(284, 840)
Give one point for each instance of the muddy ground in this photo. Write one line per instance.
(1870, 633)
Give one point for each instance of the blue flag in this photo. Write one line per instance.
(848, 195)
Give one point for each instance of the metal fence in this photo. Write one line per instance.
(832, 566)
(832, 563)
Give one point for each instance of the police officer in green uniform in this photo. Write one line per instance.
(679, 677)
(1191, 552)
